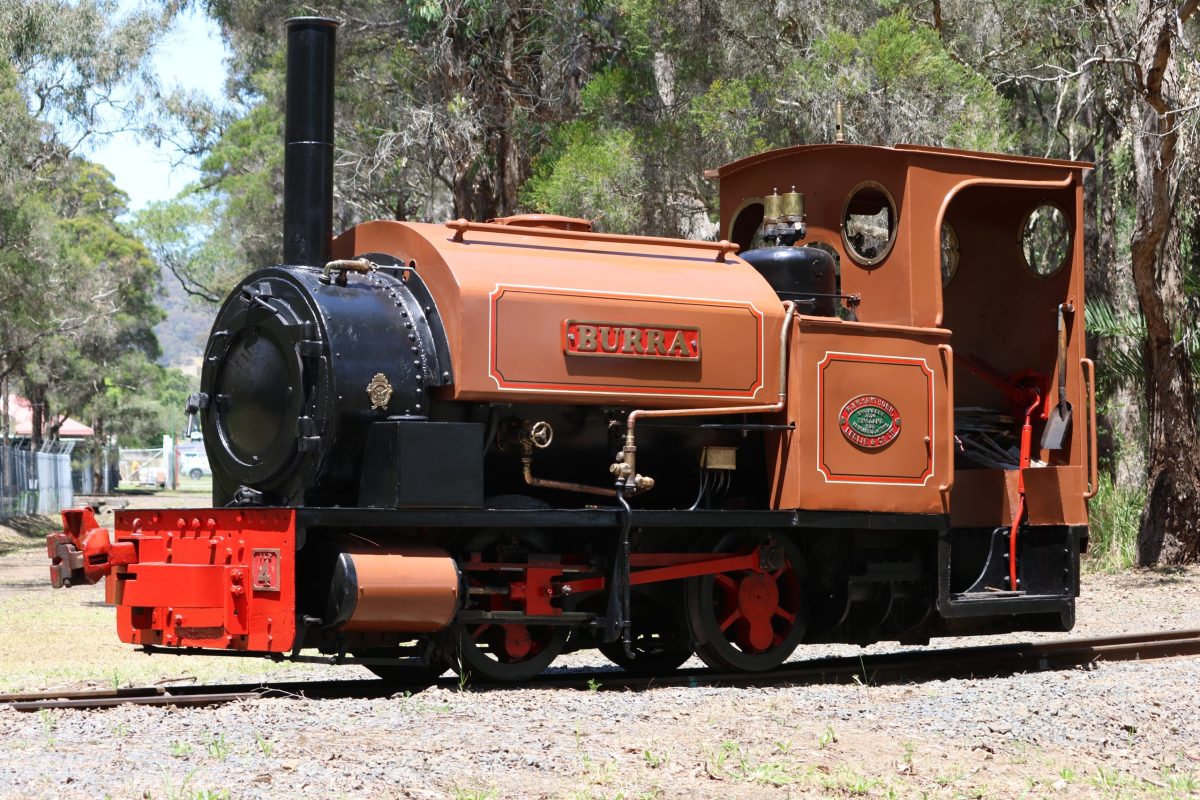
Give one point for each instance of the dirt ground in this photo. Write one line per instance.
(23, 564)
(1111, 730)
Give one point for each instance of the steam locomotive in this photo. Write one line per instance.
(480, 444)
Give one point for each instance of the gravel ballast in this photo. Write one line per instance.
(1109, 730)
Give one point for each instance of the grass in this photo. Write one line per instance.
(186, 486)
(265, 745)
(460, 793)
(1114, 514)
(27, 533)
(733, 760)
(826, 738)
(217, 747)
(185, 792)
(68, 637)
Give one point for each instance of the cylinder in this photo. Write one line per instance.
(772, 207)
(308, 142)
(406, 589)
(793, 206)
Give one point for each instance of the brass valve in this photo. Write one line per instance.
(537, 434)
(623, 470)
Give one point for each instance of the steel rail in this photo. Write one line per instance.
(885, 668)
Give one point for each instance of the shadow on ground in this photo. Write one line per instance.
(26, 532)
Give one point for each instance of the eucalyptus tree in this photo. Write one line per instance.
(1118, 82)
(71, 74)
(442, 105)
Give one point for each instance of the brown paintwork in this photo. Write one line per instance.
(545, 221)
(413, 589)
(816, 467)
(993, 310)
(505, 294)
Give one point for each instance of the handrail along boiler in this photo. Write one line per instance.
(484, 443)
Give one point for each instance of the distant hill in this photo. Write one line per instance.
(184, 332)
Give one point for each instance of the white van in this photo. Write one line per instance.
(193, 463)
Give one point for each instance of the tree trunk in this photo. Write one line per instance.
(1168, 532)
(98, 445)
(36, 394)
(4, 411)
(1121, 423)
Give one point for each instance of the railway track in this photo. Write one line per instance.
(907, 666)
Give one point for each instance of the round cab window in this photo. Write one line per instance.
(949, 253)
(869, 223)
(1045, 240)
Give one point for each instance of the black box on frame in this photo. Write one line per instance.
(421, 464)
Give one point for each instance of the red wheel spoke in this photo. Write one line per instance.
(732, 618)
(475, 634)
(725, 581)
(782, 612)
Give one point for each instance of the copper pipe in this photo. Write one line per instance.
(527, 465)
(625, 468)
(461, 226)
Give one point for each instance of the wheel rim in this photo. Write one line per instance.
(406, 670)
(652, 656)
(747, 620)
(659, 639)
(506, 652)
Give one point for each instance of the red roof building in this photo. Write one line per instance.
(20, 414)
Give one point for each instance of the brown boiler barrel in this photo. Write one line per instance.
(405, 589)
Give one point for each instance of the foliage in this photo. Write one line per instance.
(1114, 516)
(899, 83)
(103, 370)
(184, 236)
(79, 287)
(589, 173)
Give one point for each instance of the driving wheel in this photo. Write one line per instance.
(659, 638)
(748, 620)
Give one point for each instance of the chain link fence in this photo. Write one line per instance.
(35, 481)
(144, 467)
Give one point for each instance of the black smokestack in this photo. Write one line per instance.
(308, 141)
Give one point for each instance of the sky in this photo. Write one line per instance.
(191, 56)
